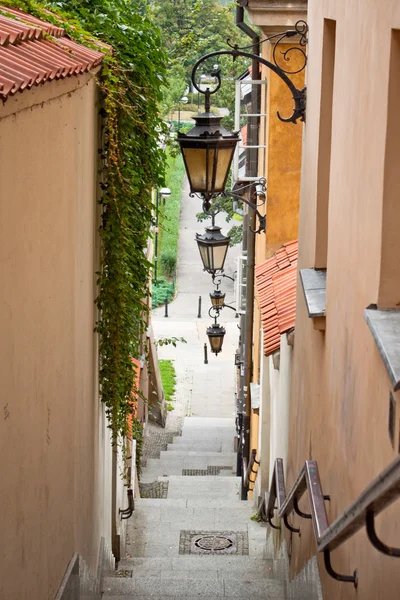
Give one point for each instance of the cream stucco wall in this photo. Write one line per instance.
(340, 388)
(54, 453)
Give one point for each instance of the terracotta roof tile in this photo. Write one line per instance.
(29, 58)
(276, 292)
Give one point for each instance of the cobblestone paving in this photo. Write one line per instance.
(156, 489)
(210, 471)
(157, 438)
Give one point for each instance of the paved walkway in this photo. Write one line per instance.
(202, 390)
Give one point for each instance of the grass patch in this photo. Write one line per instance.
(168, 379)
(168, 219)
(168, 231)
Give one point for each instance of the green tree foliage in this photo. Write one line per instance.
(192, 28)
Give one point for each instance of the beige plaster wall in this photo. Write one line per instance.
(340, 388)
(52, 493)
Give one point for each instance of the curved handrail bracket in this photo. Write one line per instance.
(344, 578)
(373, 537)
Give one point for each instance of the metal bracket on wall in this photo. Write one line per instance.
(345, 578)
(127, 512)
(373, 538)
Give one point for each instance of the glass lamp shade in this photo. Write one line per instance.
(216, 335)
(207, 151)
(217, 299)
(165, 192)
(213, 246)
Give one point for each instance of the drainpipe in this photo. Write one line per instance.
(248, 318)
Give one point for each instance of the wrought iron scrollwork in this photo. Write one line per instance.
(301, 30)
(299, 96)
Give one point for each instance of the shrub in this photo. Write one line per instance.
(160, 290)
(168, 262)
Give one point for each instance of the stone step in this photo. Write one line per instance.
(204, 487)
(164, 472)
(183, 459)
(192, 462)
(206, 587)
(213, 446)
(210, 436)
(197, 566)
(208, 423)
(183, 453)
(175, 504)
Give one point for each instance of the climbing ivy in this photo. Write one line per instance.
(132, 161)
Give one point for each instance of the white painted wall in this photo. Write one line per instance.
(274, 376)
(264, 424)
(280, 404)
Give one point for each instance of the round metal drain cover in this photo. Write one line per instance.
(214, 543)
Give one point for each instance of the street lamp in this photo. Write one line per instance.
(213, 246)
(208, 148)
(162, 193)
(207, 151)
(217, 299)
(216, 335)
(165, 193)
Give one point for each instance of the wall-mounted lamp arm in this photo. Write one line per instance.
(228, 306)
(216, 279)
(258, 190)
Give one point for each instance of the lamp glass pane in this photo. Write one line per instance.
(219, 254)
(205, 257)
(195, 159)
(219, 301)
(224, 160)
(216, 343)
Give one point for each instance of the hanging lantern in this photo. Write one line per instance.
(207, 151)
(213, 246)
(217, 299)
(216, 335)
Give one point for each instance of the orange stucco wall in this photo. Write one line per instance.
(50, 484)
(340, 388)
(283, 163)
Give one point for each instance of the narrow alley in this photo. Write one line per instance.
(197, 539)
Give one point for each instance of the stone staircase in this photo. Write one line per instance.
(200, 541)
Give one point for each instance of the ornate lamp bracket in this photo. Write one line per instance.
(299, 95)
(258, 189)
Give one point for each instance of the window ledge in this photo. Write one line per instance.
(385, 328)
(314, 288)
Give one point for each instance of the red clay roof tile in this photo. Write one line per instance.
(28, 57)
(276, 293)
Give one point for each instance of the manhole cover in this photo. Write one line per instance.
(213, 542)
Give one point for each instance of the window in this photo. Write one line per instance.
(324, 145)
(244, 118)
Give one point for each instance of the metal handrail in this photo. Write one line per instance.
(381, 492)
(247, 469)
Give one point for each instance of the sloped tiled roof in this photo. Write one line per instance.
(34, 51)
(276, 293)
